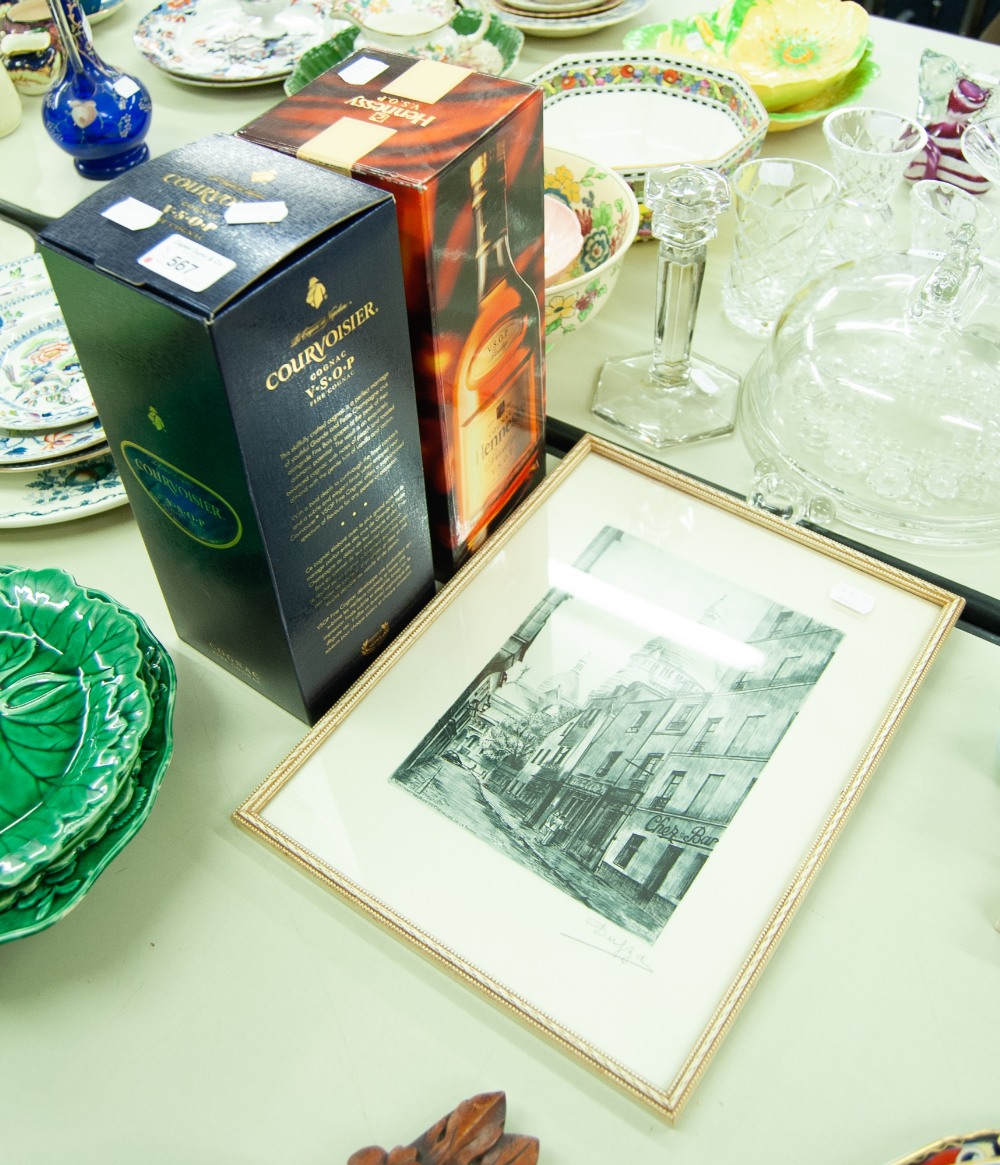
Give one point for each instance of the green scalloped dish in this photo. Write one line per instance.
(788, 50)
(58, 888)
(845, 92)
(73, 712)
(505, 38)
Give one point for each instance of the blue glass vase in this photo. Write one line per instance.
(95, 112)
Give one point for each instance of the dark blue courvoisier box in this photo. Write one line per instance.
(239, 316)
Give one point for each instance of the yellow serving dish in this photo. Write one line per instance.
(788, 50)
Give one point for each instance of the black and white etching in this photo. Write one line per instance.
(614, 736)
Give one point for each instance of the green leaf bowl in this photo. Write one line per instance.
(73, 713)
(504, 38)
(57, 888)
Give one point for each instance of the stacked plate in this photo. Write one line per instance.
(86, 701)
(564, 18)
(225, 43)
(54, 456)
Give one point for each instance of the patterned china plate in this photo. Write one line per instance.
(60, 494)
(565, 26)
(22, 278)
(41, 385)
(31, 450)
(560, 10)
(215, 42)
(15, 309)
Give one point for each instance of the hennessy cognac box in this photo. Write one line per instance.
(461, 153)
(240, 319)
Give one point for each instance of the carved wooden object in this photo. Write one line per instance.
(471, 1135)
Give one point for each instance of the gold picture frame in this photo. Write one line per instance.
(596, 775)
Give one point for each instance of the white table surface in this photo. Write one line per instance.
(208, 1003)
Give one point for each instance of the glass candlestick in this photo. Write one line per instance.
(669, 396)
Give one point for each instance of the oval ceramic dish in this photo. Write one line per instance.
(639, 112)
(73, 711)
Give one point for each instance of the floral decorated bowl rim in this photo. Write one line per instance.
(721, 95)
(614, 241)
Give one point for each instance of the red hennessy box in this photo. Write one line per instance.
(240, 319)
(462, 155)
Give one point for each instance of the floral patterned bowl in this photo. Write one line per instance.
(788, 50)
(640, 111)
(609, 217)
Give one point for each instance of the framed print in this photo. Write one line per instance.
(635, 723)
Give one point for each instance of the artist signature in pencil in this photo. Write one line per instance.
(622, 949)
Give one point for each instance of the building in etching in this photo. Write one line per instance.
(639, 785)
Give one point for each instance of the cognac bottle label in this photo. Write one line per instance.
(499, 422)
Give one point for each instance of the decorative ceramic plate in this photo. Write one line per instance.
(558, 11)
(35, 450)
(639, 112)
(496, 54)
(23, 277)
(59, 460)
(215, 41)
(580, 25)
(789, 50)
(73, 712)
(17, 309)
(60, 887)
(979, 1146)
(41, 384)
(845, 92)
(60, 494)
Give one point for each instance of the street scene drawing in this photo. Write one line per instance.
(612, 738)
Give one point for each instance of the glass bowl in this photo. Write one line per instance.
(874, 402)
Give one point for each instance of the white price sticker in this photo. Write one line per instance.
(362, 70)
(255, 212)
(125, 87)
(133, 214)
(186, 263)
(853, 598)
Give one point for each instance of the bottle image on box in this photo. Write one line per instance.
(499, 421)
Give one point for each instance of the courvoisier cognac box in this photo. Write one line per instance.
(461, 152)
(240, 319)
